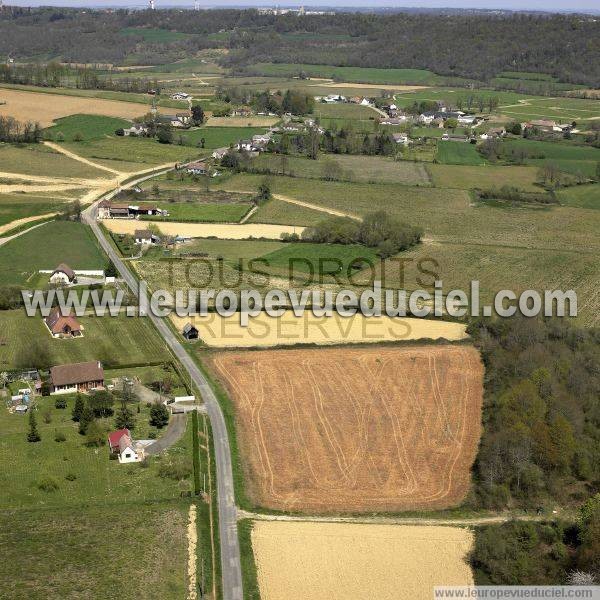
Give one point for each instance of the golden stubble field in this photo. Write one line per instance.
(356, 429)
(289, 330)
(343, 561)
(45, 108)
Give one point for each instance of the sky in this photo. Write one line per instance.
(545, 5)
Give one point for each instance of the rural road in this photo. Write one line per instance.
(230, 550)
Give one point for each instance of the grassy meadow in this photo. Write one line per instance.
(86, 127)
(46, 247)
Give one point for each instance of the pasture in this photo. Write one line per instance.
(365, 169)
(201, 212)
(458, 153)
(284, 213)
(59, 542)
(337, 561)
(581, 196)
(39, 160)
(45, 108)
(467, 177)
(358, 430)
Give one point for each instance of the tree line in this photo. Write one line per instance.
(13, 131)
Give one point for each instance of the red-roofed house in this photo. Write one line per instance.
(61, 325)
(121, 445)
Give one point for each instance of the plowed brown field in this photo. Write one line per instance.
(356, 429)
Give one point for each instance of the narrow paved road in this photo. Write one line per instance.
(172, 434)
(230, 549)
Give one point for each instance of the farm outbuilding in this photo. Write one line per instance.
(190, 332)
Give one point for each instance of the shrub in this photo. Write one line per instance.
(59, 436)
(175, 468)
(47, 416)
(48, 484)
(60, 403)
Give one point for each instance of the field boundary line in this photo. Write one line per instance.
(81, 159)
(331, 211)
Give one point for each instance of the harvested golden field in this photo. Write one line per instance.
(339, 561)
(289, 330)
(45, 108)
(356, 429)
(224, 231)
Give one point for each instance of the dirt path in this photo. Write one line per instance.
(192, 535)
(16, 235)
(330, 211)
(243, 514)
(24, 221)
(81, 159)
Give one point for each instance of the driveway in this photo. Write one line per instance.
(172, 434)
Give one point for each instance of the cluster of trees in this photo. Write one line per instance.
(529, 553)
(515, 195)
(377, 230)
(14, 131)
(347, 141)
(541, 440)
(292, 101)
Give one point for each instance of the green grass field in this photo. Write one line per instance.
(91, 550)
(87, 127)
(11, 209)
(351, 74)
(374, 169)
(37, 159)
(116, 341)
(48, 246)
(144, 151)
(467, 177)
(283, 213)
(458, 153)
(316, 258)
(581, 196)
(567, 156)
(201, 212)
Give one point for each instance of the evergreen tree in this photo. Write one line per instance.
(78, 408)
(159, 415)
(34, 434)
(125, 418)
(87, 416)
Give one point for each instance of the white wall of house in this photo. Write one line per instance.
(128, 455)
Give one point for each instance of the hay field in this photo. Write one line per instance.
(338, 561)
(205, 230)
(289, 330)
(45, 108)
(356, 429)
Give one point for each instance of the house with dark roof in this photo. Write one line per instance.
(62, 326)
(63, 275)
(77, 377)
(190, 332)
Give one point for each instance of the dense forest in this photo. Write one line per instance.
(541, 419)
(477, 46)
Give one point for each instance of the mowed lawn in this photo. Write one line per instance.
(116, 341)
(48, 246)
(467, 177)
(368, 169)
(126, 551)
(458, 153)
(37, 159)
(86, 127)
